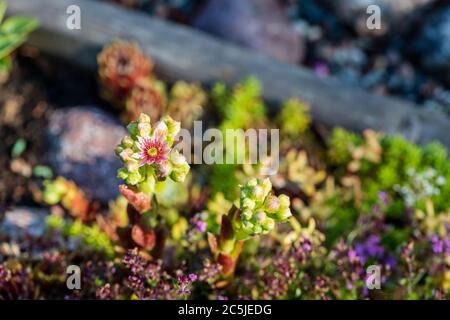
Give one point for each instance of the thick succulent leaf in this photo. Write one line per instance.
(3, 7)
(19, 25)
(8, 43)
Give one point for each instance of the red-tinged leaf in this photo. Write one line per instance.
(212, 241)
(139, 200)
(227, 262)
(144, 238)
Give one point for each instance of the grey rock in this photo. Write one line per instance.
(260, 25)
(432, 44)
(393, 12)
(81, 148)
(20, 222)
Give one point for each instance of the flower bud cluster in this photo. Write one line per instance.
(260, 209)
(147, 153)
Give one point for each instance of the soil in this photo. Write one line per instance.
(37, 85)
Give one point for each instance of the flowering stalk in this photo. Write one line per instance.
(148, 160)
(258, 212)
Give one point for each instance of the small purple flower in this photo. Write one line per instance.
(383, 197)
(391, 262)
(306, 244)
(104, 292)
(192, 277)
(352, 255)
(447, 245)
(201, 226)
(3, 272)
(184, 284)
(440, 245)
(371, 248)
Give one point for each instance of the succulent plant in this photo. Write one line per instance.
(120, 66)
(295, 172)
(187, 101)
(13, 33)
(147, 96)
(149, 161)
(90, 236)
(369, 150)
(241, 106)
(294, 118)
(69, 195)
(259, 209)
(258, 212)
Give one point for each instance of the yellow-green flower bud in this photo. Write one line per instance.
(126, 154)
(173, 127)
(268, 224)
(132, 166)
(248, 204)
(260, 209)
(144, 129)
(179, 173)
(272, 204)
(127, 142)
(284, 200)
(144, 118)
(283, 214)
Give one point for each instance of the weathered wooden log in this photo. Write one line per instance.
(184, 53)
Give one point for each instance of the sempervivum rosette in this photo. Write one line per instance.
(121, 65)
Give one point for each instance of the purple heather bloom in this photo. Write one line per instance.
(201, 225)
(440, 245)
(192, 277)
(3, 273)
(306, 244)
(104, 292)
(383, 197)
(371, 248)
(391, 262)
(447, 245)
(352, 255)
(197, 228)
(184, 283)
